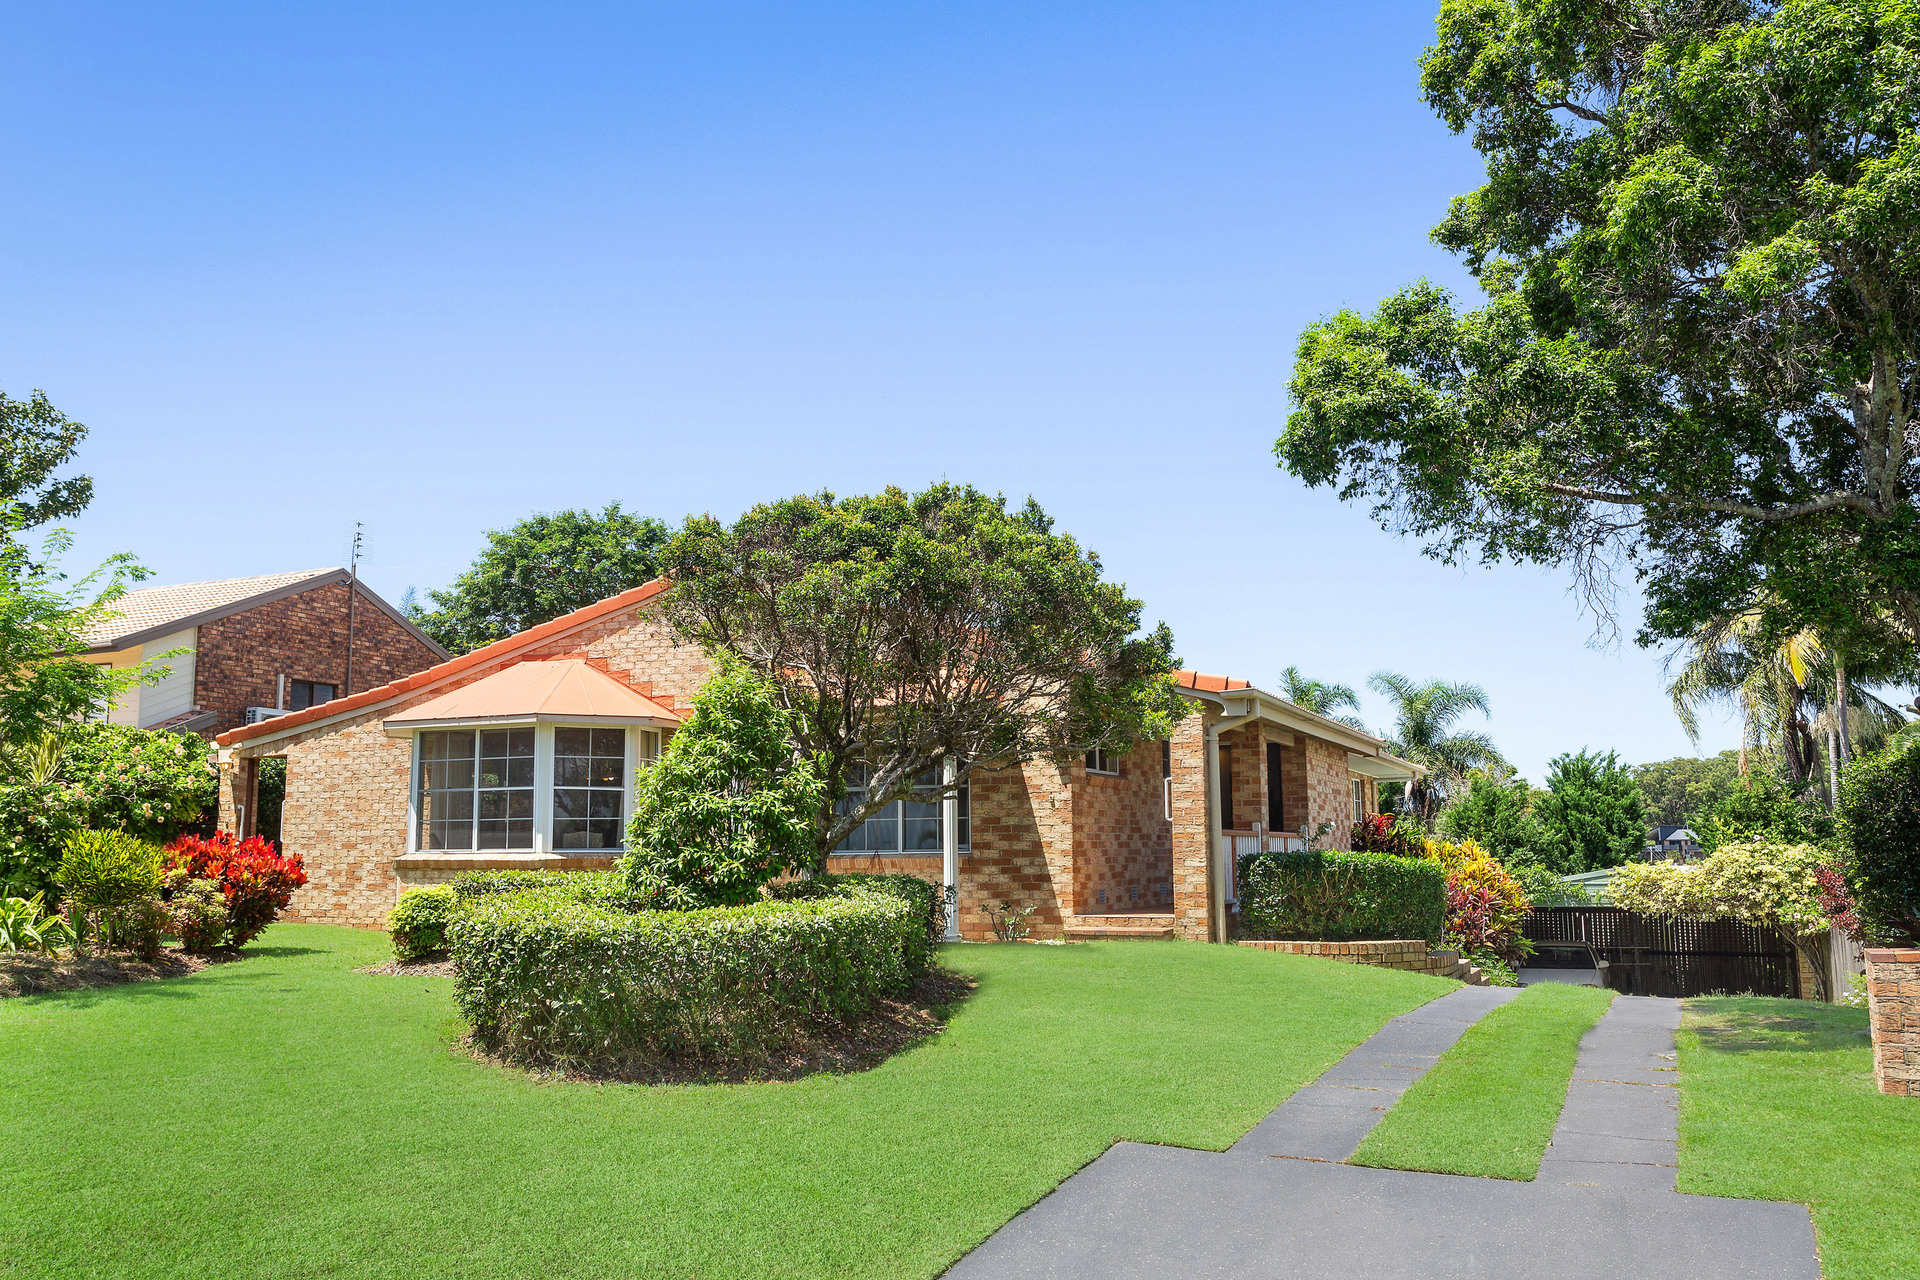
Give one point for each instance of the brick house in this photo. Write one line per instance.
(522, 754)
(280, 642)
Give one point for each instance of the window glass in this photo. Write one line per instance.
(302, 694)
(476, 789)
(907, 825)
(589, 788)
(1100, 760)
(1359, 800)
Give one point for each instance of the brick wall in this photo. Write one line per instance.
(1022, 847)
(1893, 1011)
(1329, 791)
(239, 659)
(1122, 846)
(1191, 822)
(1411, 955)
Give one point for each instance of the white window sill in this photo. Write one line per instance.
(507, 860)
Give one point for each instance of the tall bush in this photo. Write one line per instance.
(1592, 815)
(257, 882)
(1880, 830)
(105, 875)
(1486, 906)
(729, 805)
(546, 978)
(1342, 897)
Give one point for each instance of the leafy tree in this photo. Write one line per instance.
(1760, 809)
(1677, 790)
(1424, 715)
(729, 805)
(1592, 814)
(1495, 813)
(1880, 829)
(1697, 238)
(905, 632)
(542, 567)
(36, 440)
(45, 682)
(1320, 697)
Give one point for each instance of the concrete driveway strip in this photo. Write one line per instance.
(1620, 1124)
(1141, 1211)
(1327, 1119)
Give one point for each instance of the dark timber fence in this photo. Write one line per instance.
(1663, 956)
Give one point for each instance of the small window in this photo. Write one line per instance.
(589, 788)
(1101, 760)
(1359, 800)
(907, 825)
(302, 694)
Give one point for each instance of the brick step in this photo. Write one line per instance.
(1119, 931)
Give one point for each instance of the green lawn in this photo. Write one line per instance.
(288, 1117)
(1489, 1105)
(1777, 1103)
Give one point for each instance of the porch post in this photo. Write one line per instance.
(950, 851)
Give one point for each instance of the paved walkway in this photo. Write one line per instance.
(1602, 1208)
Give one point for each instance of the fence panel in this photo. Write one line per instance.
(1663, 956)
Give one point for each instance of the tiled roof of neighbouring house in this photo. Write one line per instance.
(146, 610)
(1209, 684)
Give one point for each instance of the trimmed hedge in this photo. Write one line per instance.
(924, 898)
(596, 888)
(1342, 897)
(546, 977)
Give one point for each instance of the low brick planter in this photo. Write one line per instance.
(1390, 953)
(1893, 1008)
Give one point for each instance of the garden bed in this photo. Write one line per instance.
(29, 973)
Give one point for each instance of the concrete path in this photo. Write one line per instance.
(1602, 1208)
(1620, 1125)
(1326, 1119)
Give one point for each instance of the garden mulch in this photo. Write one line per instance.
(29, 973)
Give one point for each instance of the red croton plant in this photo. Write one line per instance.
(257, 880)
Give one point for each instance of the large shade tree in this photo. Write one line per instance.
(907, 633)
(1424, 715)
(1700, 243)
(542, 567)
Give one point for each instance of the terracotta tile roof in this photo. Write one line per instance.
(541, 687)
(495, 652)
(1209, 684)
(149, 608)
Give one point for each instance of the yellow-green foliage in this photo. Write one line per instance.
(106, 869)
(1769, 886)
(1467, 864)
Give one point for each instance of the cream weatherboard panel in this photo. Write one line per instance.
(174, 694)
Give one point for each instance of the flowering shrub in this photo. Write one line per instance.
(546, 977)
(256, 881)
(1388, 833)
(1486, 906)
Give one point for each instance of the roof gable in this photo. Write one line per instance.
(148, 613)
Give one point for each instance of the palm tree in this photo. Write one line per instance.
(1792, 694)
(1320, 697)
(1424, 715)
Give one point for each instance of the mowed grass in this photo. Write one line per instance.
(286, 1116)
(1488, 1107)
(1777, 1102)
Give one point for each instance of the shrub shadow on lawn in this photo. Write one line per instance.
(1759, 1024)
(893, 1027)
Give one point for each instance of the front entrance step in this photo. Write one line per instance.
(1151, 924)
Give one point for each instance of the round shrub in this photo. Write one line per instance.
(1342, 897)
(418, 923)
(1880, 825)
(1486, 907)
(545, 977)
(196, 912)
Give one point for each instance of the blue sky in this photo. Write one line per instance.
(434, 268)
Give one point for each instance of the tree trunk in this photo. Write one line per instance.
(1833, 769)
(1840, 712)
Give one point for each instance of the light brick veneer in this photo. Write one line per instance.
(1893, 1009)
(1394, 953)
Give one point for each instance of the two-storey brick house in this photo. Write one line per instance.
(522, 754)
(279, 642)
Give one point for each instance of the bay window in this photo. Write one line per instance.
(527, 788)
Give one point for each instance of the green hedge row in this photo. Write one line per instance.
(1342, 897)
(546, 977)
(924, 898)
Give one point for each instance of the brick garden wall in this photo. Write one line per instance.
(238, 659)
(1893, 1011)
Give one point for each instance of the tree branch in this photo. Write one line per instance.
(1825, 502)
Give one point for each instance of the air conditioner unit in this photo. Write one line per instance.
(256, 714)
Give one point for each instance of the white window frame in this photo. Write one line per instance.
(1359, 798)
(639, 739)
(1102, 763)
(965, 846)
